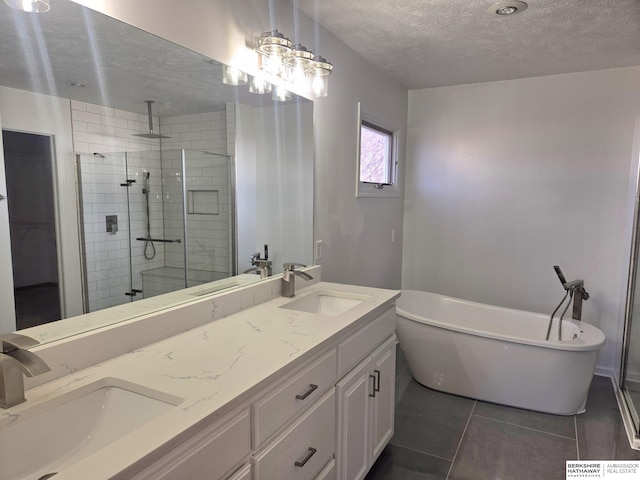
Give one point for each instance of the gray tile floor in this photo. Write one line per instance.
(445, 437)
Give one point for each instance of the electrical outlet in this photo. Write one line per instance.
(318, 250)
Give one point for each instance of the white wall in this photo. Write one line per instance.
(356, 232)
(275, 165)
(507, 179)
(284, 171)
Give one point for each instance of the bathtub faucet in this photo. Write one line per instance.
(576, 290)
(579, 294)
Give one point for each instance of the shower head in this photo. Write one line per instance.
(150, 134)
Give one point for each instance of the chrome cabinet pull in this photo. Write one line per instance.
(373, 394)
(377, 389)
(311, 453)
(312, 388)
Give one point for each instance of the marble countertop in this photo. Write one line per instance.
(213, 368)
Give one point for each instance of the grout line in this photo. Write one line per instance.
(420, 452)
(455, 455)
(521, 426)
(575, 426)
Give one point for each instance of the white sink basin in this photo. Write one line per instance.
(59, 432)
(327, 303)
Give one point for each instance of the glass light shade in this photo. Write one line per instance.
(320, 85)
(233, 76)
(273, 48)
(273, 63)
(300, 63)
(280, 94)
(31, 6)
(259, 85)
(321, 71)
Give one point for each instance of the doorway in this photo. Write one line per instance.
(32, 226)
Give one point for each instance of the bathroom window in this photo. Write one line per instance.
(377, 163)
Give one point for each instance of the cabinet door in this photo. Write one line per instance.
(354, 422)
(383, 405)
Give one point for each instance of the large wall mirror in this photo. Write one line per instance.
(133, 172)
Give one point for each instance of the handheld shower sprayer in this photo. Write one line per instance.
(561, 276)
(145, 183)
(149, 247)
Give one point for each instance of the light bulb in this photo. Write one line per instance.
(233, 76)
(320, 85)
(259, 85)
(280, 94)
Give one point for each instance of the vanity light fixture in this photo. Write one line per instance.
(30, 6)
(280, 93)
(259, 85)
(233, 76)
(295, 64)
(508, 8)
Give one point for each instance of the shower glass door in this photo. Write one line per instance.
(104, 226)
(154, 222)
(630, 372)
(209, 225)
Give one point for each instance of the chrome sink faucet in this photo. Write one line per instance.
(262, 266)
(15, 362)
(288, 282)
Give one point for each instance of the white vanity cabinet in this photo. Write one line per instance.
(327, 418)
(210, 454)
(300, 410)
(304, 449)
(366, 401)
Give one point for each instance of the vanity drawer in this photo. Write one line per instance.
(303, 451)
(292, 396)
(208, 455)
(330, 472)
(361, 343)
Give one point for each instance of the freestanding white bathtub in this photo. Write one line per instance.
(496, 354)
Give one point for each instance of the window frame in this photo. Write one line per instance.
(365, 189)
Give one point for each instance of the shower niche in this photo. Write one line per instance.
(175, 223)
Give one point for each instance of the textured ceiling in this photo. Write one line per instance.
(423, 43)
(429, 43)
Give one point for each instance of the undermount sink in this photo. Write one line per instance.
(48, 437)
(327, 303)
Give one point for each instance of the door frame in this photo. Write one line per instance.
(29, 112)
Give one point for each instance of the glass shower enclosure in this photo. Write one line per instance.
(153, 222)
(629, 379)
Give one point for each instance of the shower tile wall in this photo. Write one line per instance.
(105, 130)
